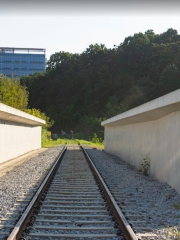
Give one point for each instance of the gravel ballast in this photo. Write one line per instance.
(24, 178)
(160, 202)
(74, 181)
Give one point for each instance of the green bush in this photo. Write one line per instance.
(97, 139)
(44, 139)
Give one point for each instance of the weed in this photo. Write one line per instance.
(174, 231)
(144, 165)
(176, 206)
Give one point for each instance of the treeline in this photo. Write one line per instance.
(78, 91)
(13, 94)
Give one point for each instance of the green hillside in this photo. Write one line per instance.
(78, 91)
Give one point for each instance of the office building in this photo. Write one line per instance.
(21, 61)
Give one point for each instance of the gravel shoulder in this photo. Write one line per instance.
(161, 202)
(9, 165)
(22, 179)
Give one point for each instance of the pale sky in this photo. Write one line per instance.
(73, 32)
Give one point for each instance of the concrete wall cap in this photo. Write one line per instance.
(149, 111)
(11, 114)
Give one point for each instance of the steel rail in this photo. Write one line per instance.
(126, 228)
(17, 231)
(20, 226)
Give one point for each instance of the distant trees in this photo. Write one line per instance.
(37, 113)
(80, 90)
(58, 59)
(12, 93)
(169, 78)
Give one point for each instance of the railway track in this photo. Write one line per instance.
(127, 203)
(73, 202)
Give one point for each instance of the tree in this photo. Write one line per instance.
(78, 89)
(12, 93)
(37, 113)
(135, 48)
(169, 79)
(58, 59)
(151, 35)
(169, 34)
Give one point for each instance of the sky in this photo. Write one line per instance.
(71, 26)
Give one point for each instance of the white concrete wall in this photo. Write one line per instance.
(19, 134)
(160, 138)
(17, 139)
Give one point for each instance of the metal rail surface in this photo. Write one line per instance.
(128, 232)
(135, 212)
(73, 202)
(33, 204)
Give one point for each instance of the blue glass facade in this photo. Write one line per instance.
(20, 64)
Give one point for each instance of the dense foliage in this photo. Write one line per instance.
(37, 113)
(12, 93)
(78, 91)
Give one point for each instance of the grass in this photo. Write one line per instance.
(72, 141)
(53, 143)
(92, 144)
(60, 141)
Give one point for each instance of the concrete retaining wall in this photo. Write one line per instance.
(151, 129)
(19, 132)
